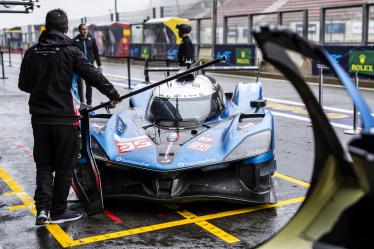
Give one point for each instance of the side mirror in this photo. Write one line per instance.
(258, 103)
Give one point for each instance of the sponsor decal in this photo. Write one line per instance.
(245, 126)
(203, 144)
(243, 56)
(144, 52)
(206, 161)
(120, 126)
(172, 53)
(336, 57)
(124, 160)
(361, 62)
(132, 144)
(226, 53)
(135, 52)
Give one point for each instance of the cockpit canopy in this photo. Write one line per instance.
(186, 104)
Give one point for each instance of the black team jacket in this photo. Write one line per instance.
(49, 72)
(185, 51)
(88, 46)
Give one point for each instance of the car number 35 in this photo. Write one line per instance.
(134, 145)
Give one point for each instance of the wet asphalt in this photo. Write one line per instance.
(143, 225)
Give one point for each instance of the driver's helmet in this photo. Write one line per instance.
(183, 28)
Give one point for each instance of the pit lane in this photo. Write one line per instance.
(134, 225)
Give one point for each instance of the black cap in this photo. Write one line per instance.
(184, 28)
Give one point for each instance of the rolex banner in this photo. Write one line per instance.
(361, 61)
(236, 54)
(354, 59)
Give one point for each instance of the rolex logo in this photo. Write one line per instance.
(362, 58)
(243, 54)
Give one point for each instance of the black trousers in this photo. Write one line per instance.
(56, 149)
(88, 91)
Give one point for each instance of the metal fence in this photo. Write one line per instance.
(348, 24)
(137, 16)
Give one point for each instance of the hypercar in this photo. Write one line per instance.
(185, 140)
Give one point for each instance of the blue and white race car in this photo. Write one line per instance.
(185, 140)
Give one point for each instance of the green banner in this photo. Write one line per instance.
(361, 62)
(144, 52)
(243, 56)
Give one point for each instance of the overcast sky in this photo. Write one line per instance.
(79, 8)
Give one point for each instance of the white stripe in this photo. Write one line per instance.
(283, 81)
(308, 119)
(289, 102)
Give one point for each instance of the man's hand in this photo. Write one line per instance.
(113, 103)
(114, 100)
(100, 69)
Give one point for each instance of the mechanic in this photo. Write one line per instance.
(87, 44)
(49, 71)
(185, 49)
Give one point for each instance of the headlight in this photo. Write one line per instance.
(253, 145)
(97, 151)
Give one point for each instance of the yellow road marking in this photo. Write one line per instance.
(129, 232)
(160, 226)
(10, 193)
(210, 227)
(291, 179)
(204, 224)
(250, 209)
(16, 207)
(28, 202)
(66, 241)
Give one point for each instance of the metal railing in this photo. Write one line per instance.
(338, 20)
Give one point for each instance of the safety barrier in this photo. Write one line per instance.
(11, 51)
(323, 68)
(355, 129)
(2, 65)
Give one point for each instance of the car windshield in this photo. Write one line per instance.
(184, 111)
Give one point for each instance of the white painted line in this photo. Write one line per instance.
(308, 119)
(283, 81)
(289, 102)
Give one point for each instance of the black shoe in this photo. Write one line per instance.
(64, 217)
(42, 217)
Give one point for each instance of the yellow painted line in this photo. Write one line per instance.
(25, 198)
(291, 179)
(171, 224)
(28, 202)
(16, 207)
(60, 235)
(130, 232)
(250, 209)
(10, 193)
(210, 227)
(66, 241)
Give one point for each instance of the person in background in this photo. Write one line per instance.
(185, 49)
(49, 72)
(87, 44)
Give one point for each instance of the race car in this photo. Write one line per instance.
(185, 140)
